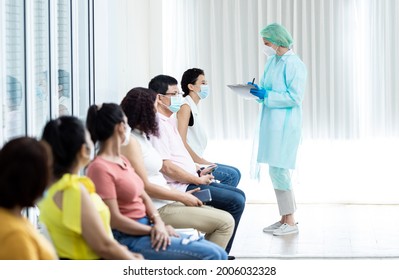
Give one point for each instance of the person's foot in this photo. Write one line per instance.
(230, 258)
(286, 229)
(272, 227)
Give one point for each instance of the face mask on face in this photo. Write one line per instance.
(127, 135)
(204, 92)
(269, 51)
(175, 103)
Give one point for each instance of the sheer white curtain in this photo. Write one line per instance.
(220, 37)
(349, 47)
(351, 105)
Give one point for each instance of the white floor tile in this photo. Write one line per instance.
(325, 231)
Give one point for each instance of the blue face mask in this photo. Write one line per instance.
(204, 92)
(175, 103)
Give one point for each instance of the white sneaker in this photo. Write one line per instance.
(272, 227)
(286, 229)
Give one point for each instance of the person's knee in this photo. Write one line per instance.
(235, 175)
(239, 200)
(217, 253)
(240, 195)
(228, 221)
(238, 173)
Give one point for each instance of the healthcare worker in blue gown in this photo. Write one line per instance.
(280, 93)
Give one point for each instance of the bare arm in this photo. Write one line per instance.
(134, 154)
(159, 235)
(95, 235)
(175, 172)
(183, 118)
(125, 224)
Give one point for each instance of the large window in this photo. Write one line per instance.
(13, 98)
(83, 70)
(40, 65)
(45, 63)
(64, 65)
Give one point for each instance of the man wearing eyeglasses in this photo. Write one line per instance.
(178, 167)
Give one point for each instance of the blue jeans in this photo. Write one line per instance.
(227, 198)
(228, 175)
(200, 249)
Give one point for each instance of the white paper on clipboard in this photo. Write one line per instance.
(242, 90)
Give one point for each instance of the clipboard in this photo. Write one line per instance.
(242, 90)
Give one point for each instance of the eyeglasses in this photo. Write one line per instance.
(173, 93)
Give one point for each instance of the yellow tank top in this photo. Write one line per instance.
(65, 226)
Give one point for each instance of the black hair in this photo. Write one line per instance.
(160, 83)
(138, 105)
(101, 120)
(190, 76)
(25, 172)
(66, 135)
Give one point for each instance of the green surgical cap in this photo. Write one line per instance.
(277, 34)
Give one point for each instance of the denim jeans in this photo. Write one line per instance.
(227, 198)
(228, 175)
(182, 248)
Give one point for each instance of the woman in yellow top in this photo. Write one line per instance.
(75, 216)
(24, 175)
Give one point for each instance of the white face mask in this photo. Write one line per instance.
(127, 135)
(92, 154)
(269, 51)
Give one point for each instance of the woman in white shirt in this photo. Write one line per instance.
(195, 88)
(173, 205)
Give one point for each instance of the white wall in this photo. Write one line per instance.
(128, 46)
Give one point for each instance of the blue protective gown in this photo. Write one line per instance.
(284, 79)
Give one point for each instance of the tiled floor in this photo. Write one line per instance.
(325, 231)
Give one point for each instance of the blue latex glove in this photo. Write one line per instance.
(257, 91)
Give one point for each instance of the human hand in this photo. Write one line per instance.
(159, 237)
(206, 179)
(257, 91)
(171, 231)
(208, 170)
(190, 200)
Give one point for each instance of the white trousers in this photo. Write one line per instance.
(286, 202)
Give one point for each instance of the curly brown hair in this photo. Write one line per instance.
(139, 109)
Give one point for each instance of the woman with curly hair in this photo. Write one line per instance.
(173, 205)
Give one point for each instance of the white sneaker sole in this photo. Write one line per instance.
(282, 233)
(271, 228)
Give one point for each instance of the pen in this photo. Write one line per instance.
(253, 81)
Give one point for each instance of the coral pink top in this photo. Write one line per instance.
(120, 182)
